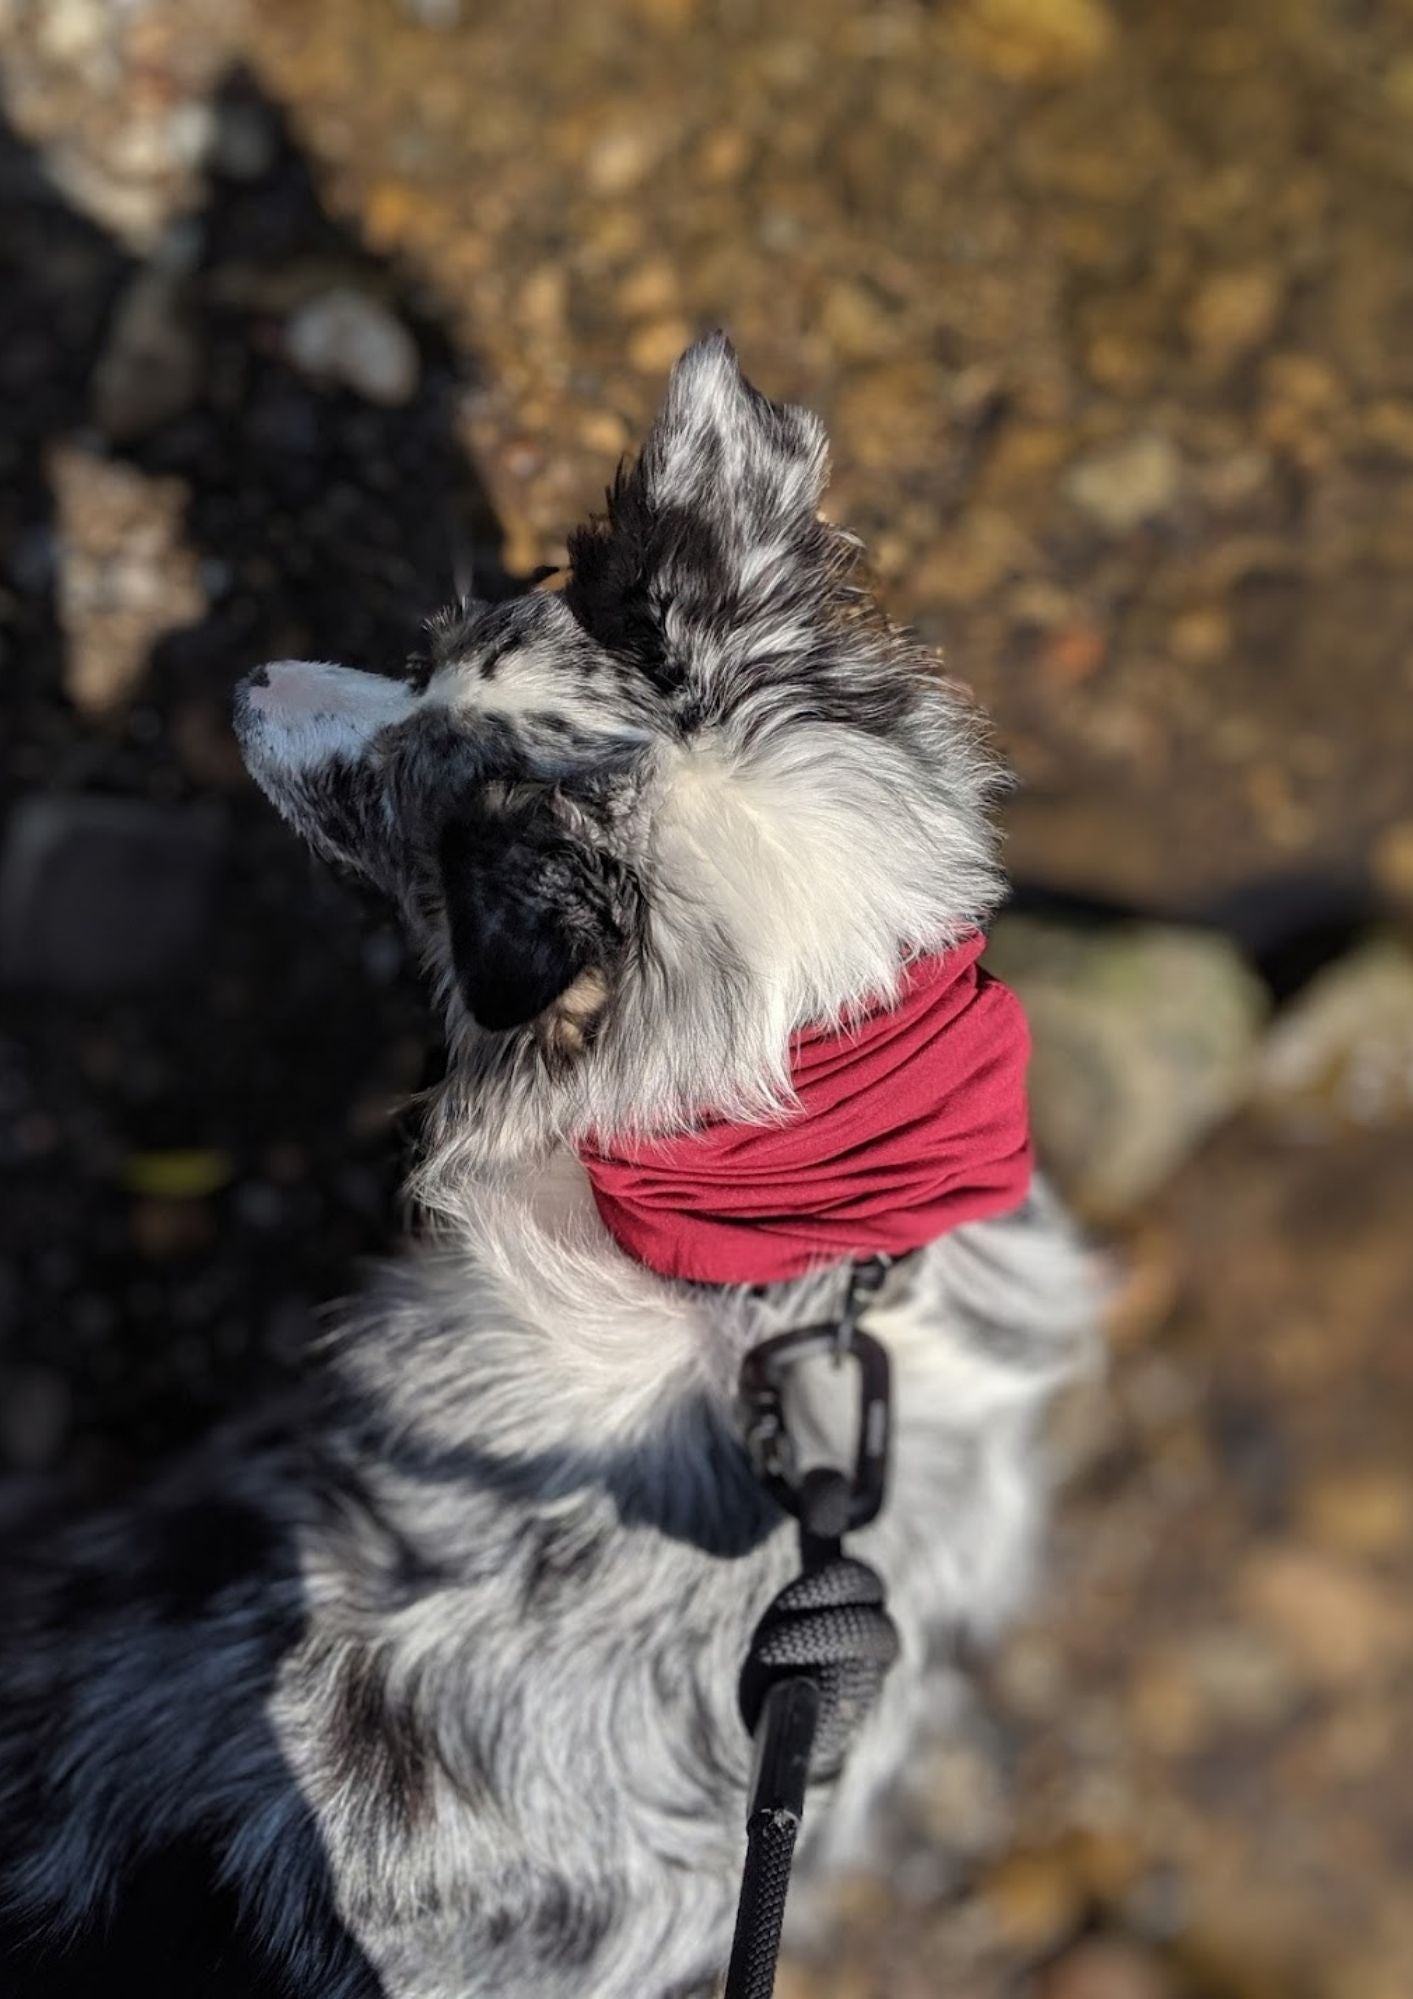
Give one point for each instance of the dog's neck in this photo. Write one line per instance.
(518, 1315)
(571, 1328)
(519, 1344)
(908, 1118)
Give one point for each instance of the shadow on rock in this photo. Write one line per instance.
(244, 447)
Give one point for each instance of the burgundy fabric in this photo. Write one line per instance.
(910, 1120)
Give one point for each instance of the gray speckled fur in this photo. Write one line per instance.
(440, 1666)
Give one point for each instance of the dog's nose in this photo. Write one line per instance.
(306, 709)
(290, 690)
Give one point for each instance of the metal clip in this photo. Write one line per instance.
(763, 1376)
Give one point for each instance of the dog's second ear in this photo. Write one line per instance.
(529, 928)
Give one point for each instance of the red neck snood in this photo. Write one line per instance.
(909, 1120)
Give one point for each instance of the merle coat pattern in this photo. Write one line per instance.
(429, 1682)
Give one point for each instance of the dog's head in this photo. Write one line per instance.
(645, 827)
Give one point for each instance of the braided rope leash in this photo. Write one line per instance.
(818, 1657)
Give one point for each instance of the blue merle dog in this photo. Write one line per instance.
(427, 1686)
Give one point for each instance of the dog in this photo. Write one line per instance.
(425, 1684)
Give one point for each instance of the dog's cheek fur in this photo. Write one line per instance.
(340, 809)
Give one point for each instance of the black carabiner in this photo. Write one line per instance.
(767, 1437)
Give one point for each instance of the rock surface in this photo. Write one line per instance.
(1126, 485)
(345, 338)
(1145, 1039)
(125, 572)
(101, 895)
(148, 372)
(1343, 1052)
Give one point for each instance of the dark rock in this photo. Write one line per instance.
(149, 372)
(1145, 1039)
(350, 340)
(34, 1417)
(102, 895)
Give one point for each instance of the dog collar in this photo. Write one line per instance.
(909, 1119)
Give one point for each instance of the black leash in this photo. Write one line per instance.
(819, 1655)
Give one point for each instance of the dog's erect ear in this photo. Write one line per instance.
(528, 923)
(715, 520)
(720, 447)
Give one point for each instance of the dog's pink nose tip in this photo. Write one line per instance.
(320, 706)
(292, 688)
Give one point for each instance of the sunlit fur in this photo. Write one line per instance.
(438, 1670)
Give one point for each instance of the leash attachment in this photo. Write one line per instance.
(818, 1657)
(765, 1374)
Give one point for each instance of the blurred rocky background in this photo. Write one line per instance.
(310, 315)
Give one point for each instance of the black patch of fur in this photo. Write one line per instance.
(616, 588)
(500, 1927)
(203, 1548)
(562, 1557)
(374, 1744)
(527, 909)
(567, 1926)
(337, 800)
(178, 1933)
(85, 1591)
